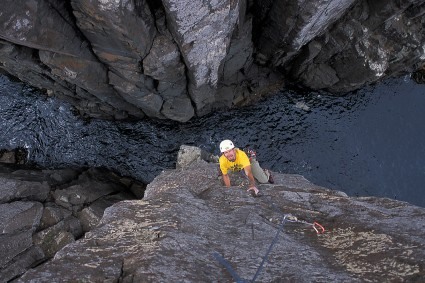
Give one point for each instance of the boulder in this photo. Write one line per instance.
(33, 228)
(20, 216)
(52, 215)
(178, 109)
(21, 263)
(7, 157)
(189, 154)
(75, 197)
(12, 190)
(91, 215)
(12, 245)
(53, 239)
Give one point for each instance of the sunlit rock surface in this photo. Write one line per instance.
(188, 227)
(180, 59)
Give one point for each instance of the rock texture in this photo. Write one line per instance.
(176, 59)
(41, 211)
(341, 45)
(189, 228)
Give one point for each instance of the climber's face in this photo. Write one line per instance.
(230, 154)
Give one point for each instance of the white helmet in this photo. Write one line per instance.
(226, 145)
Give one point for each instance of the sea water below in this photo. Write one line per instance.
(367, 143)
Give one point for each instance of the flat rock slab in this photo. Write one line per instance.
(190, 228)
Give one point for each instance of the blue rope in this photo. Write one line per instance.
(234, 275)
(270, 249)
(226, 264)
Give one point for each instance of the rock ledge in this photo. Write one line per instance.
(187, 218)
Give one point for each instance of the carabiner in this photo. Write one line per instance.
(290, 218)
(322, 230)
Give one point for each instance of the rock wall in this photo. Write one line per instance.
(190, 228)
(179, 59)
(41, 211)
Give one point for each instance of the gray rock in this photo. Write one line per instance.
(129, 24)
(320, 76)
(53, 239)
(90, 217)
(178, 109)
(11, 245)
(190, 154)
(239, 57)
(203, 32)
(20, 216)
(86, 73)
(132, 28)
(374, 39)
(76, 196)
(291, 25)
(138, 189)
(188, 225)
(61, 176)
(64, 52)
(179, 59)
(163, 62)
(52, 215)
(31, 234)
(11, 189)
(171, 90)
(8, 157)
(22, 26)
(73, 226)
(19, 61)
(21, 263)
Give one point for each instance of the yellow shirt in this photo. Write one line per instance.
(240, 162)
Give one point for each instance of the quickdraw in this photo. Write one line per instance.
(316, 226)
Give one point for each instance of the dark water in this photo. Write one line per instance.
(371, 142)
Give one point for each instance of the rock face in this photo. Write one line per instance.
(341, 45)
(176, 59)
(189, 228)
(41, 211)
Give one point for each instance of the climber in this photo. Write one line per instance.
(234, 159)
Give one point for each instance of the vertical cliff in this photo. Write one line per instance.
(180, 59)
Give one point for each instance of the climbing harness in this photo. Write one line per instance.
(316, 226)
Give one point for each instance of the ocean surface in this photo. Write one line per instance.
(367, 143)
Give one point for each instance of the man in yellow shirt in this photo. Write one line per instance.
(234, 159)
